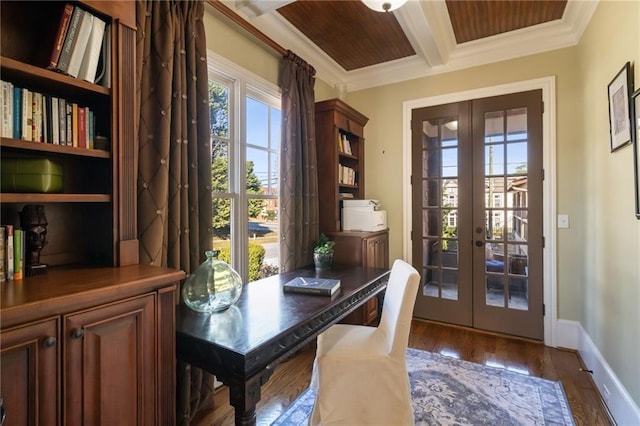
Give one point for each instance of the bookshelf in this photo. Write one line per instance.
(342, 169)
(93, 199)
(339, 147)
(59, 328)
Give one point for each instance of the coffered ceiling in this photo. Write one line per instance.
(353, 47)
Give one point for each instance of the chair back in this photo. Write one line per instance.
(397, 309)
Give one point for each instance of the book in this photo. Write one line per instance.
(89, 64)
(9, 252)
(18, 261)
(74, 124)
(69, 40)
(62, 117)
(27, 118)
(3, 259)
(312, 285)
(17, 112)
(55, 121)
(104, 64)
(82, 127)
(80, 46)
(60, 36)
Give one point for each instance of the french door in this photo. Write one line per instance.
(477, 213)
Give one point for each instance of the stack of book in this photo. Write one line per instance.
(11, 253)
(37, 117)
(80, 39)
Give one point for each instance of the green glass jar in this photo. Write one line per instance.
(213, 287)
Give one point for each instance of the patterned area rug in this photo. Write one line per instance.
(448, 391)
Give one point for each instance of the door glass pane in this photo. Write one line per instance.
(517, 124)
(494, 220)
(495, 290)
(430, 193)
(431, 163)
(430, 252)
(517, 225)
(517, 158)
(450, 162)
(518, 293)
(449, 284)
(494, 127)
(450, 193)
(449, 131)
(430, 223)
(431, 282)
(494, 159)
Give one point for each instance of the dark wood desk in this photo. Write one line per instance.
(242, 345)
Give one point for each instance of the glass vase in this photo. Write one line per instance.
(213, 287)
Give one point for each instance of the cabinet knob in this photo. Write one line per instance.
(49, 342)
(78, 333)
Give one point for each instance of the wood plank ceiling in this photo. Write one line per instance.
(356, 37)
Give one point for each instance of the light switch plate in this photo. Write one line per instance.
(563, 221)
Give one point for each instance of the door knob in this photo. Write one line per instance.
(77, 333)
(479, 243)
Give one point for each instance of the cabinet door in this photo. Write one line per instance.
(110, 360)
(377, 251)
(30, 372)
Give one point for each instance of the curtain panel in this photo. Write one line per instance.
(174, 156)
(298, 164)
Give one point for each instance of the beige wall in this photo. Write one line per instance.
(599, 255)
(610, 250)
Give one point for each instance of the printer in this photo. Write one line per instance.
(363, 215)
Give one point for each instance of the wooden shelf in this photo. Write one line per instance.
(37, 75)
(56, 149)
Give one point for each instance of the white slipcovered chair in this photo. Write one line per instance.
(360, 373)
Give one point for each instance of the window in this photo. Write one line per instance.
(245, 151)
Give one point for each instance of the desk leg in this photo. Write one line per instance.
(244, 396)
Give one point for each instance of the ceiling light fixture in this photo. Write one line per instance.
(383, 5)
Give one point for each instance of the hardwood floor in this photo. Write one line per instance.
(292, 377)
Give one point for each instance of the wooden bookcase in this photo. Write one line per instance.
(98, 199)
(334, 120)
(96, 306)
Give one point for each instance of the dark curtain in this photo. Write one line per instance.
(174, 156)
(298, 165)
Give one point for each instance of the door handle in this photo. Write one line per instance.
(479, 243)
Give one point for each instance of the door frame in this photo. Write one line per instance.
(548, 86)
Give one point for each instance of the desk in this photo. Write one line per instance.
(243, 344)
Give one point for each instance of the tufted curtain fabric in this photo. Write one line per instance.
(298, 165)
(174, 156)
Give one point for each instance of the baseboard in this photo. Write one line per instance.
(622, 407)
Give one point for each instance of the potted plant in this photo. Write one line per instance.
(323, 252)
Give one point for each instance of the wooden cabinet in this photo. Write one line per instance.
(98, 195)
(341, 169)
(369, 249)
(98, 349)
(340, 147)
(30, 371)
(112, 345)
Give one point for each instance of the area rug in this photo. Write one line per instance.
(449, 391)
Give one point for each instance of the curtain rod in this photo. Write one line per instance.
(237, 19)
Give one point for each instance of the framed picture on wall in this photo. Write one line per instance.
(635, 106)
(619, 111)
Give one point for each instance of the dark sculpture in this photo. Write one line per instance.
(34, 224)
